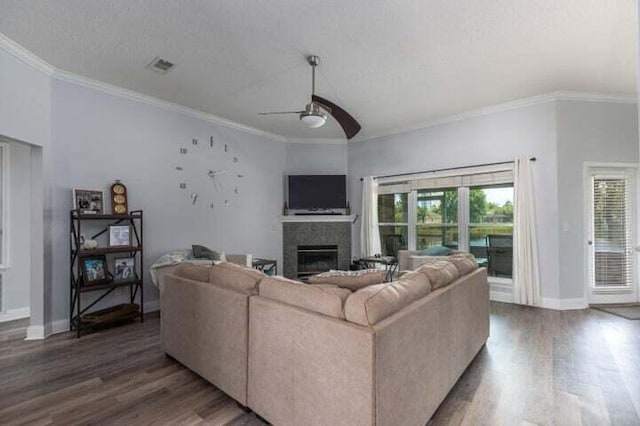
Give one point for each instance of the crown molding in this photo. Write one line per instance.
(324, 141)
(41, 65)
(151, 100)
(13, 48)
(560, 95)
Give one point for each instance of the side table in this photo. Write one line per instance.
(268, 266)
(390, 264)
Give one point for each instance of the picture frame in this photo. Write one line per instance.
(124, 268)
(119, 235)
(94, 270)
(88, 201)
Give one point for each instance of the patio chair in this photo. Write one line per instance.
(392, 243)
(500, 255)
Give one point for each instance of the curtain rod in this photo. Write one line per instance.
(447, 169)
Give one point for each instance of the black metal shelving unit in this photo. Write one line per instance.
(78, 285)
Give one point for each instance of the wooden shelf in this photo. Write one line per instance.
(109, 284)
(78, 320)
(107, 250)
(137, 214)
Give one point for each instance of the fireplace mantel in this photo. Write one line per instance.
(318, 218)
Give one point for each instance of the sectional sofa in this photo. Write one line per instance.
(385, 354)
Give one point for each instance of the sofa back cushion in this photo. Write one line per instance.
(440, 273)
(465, 263)
(372, 304)
(239, 278)
(353, 280)
(325, 299)
(192, 271)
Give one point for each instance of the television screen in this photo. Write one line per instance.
(317, 191)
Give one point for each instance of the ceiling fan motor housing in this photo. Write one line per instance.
(313, 116)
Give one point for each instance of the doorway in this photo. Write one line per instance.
(611, 234)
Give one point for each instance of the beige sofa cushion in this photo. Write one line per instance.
(440, 273)
(239, 278)
(193, 272)
(324, 299)
(372, 304)
(353, 280)
(465, 263)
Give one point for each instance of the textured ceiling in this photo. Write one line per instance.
(392, 64)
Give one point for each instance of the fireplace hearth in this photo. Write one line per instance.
(316, 259)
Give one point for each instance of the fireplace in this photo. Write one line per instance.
(300, 232)
(315, 259)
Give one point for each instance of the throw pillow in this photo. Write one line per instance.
(436, 251)
(202, 252)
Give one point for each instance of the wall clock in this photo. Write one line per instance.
(224, 182)
(119, 198)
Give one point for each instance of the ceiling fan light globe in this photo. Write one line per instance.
(313, 120)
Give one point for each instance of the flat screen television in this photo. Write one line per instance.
(315, 192)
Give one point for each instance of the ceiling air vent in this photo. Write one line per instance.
(160, 65)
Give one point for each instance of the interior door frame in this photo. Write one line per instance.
(604, 296)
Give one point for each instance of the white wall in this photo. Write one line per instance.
(316, 158)
(25, 115)
(501, 136)
(25, 101)
(587, 131)
(17, 277)
(98, 137)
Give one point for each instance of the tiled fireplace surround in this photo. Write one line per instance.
(315, 233)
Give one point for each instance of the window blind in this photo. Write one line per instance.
(612, 240)
(471, 178)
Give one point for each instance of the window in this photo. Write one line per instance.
(393, 217)
(490, 228)
(470, 212)
(437, 218)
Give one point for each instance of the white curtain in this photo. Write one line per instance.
(369, 232)
(526, 279)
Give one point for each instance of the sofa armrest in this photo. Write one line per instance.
(204, 326)
(240, 259)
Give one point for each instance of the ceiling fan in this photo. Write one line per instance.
(315, 112)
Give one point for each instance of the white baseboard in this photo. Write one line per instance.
(14, 314)
(502, 293)
(563, 304)
(501, 296)
(35, 332)
(62, 326)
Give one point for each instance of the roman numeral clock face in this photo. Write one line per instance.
(119, 198)
(217, 177)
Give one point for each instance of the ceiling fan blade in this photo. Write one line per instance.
(346, 121)
(280, 112)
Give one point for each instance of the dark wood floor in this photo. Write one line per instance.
(539, 367)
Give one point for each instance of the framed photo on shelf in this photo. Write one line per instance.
(119, 235)
(88, 201)
(94, 270)
(124, 268)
